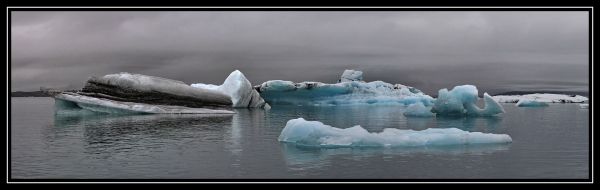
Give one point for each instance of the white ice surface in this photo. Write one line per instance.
(351, 75)
(117, 107)
(238, 88)
(548, 98)
(314, 133)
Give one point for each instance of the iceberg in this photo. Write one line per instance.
(127, 87)
(350, 92)
(461, 100)
(239, 89)
(418, 110)
(126, 93)
(351, 75)
(530, 103)
(70, 101)
(316, 134)
(547, 98)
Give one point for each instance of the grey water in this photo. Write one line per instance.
(548, 143)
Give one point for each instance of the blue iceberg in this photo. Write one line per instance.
(461, 101)
(316, 134)
(350, 91)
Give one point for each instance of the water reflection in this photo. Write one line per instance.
(109, 133)
(307, 157)
(238, 138)
(372, 118)
(473, 124)
(244, 118)
(419, 123)
(480, 124)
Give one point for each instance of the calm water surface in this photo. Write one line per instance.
(550, 142)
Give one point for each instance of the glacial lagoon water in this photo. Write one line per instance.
(548, 143)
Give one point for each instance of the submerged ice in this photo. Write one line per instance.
(317, 134)
(350, 91)
(461, 100)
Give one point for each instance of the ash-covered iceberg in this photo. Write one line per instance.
(351, 91)
(127, 87)
(134, 94)
(547, 98)
(71, 101)
(239, 89)
(316, 134)
(461, 100)
(530, 103)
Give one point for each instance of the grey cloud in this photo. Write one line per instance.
(429, 50)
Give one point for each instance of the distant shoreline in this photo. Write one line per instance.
(29, 94)
(38, 93)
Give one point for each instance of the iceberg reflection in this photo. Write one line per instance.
(305, 156)
(111, 134)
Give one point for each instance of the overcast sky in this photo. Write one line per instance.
(496, 51)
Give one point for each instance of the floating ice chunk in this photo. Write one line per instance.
(530, 103)
(461, 100)
(239, 89)
(102, 105)
(127, 87)
(491, 106)
(418, 110)
(584, 106)
(344, 93)
(448, 104)
(314, 133)
(277, 86)
(351, 75)
(548, 98)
